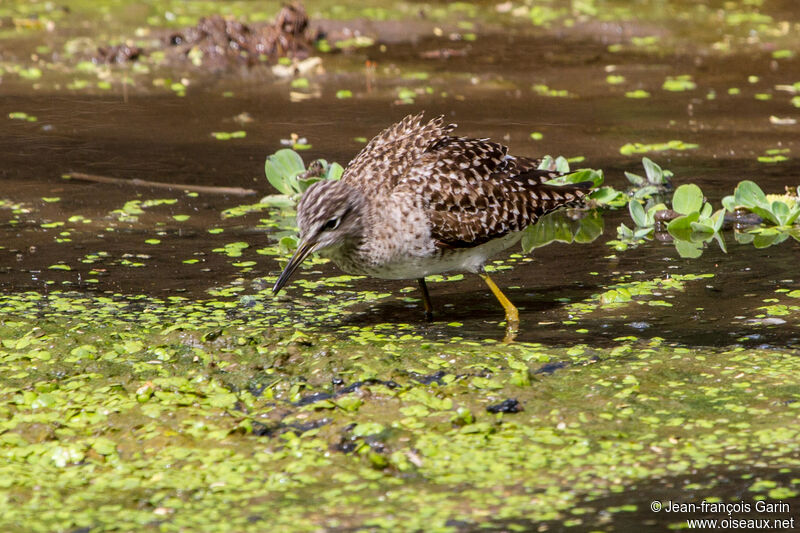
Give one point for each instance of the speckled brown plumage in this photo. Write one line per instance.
(471, 189)
(418, 200)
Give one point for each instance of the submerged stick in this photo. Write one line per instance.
(236, 191)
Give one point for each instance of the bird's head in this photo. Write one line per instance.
(329, 216)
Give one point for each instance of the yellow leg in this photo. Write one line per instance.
(512, 315)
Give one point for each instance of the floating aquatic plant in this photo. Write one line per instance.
(679, 83)
(691, 223)
(605, 196)
(286, 172)
(780, 211)
(21, 115)
(560, 227)
(655, 181)
(543, 90)
(697, 223)
(644, 224)
(774, 155)
(640, 148)
(228, 135)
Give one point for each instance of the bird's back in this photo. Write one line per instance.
(471, 190)
(383, 162)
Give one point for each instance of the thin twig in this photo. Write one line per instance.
(235, 191)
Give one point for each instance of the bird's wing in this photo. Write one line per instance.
(473, 193)
(381, 164)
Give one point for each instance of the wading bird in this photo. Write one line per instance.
(418, 201)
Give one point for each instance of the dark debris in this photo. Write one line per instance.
(230, 40)
(549, 368)
(319, 396)
(510, 405)
(120, 53)
(226, 41)
(430, 378)
(263, 430)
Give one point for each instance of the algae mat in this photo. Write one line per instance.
(136, 414)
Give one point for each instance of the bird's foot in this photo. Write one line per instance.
(512, 328)
(512, 313)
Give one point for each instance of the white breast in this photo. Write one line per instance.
(390, 252)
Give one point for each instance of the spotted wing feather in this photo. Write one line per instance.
(518, 165)
(505, 204)
(384, 161)
(471, 189)
(455, 165)
(473, 192)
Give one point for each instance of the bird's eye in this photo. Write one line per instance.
(332, 224)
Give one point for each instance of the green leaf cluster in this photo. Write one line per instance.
(651, 186)
(286, 172)
(698, 223)
(780, 210)
(644, 222)
(695, 225)
(655, 181)
(558, 227)
(602, 195)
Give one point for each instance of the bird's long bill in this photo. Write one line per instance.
(299, 256)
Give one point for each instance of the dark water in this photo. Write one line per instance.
(146, 134)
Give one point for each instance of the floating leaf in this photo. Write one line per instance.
(675, 144)
(688, 249)
(557, 227)
(278, 200)
(282, 167)
(637, 213)
(679, 83)
(681, 227)
(638, 93)
(367, 428)
(687, 199)
(225, 136)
